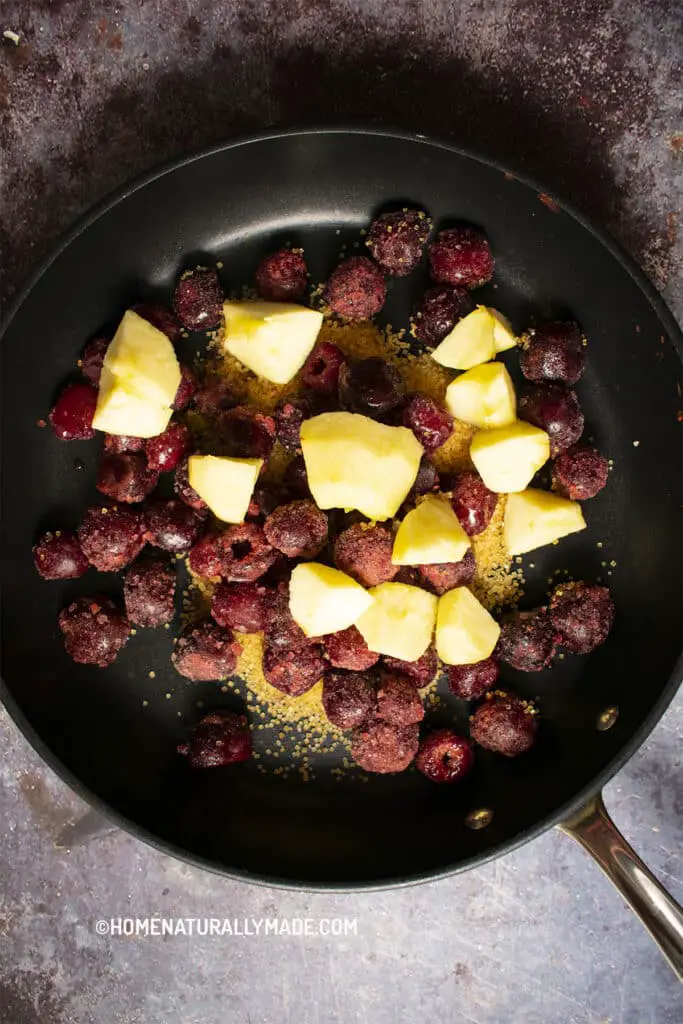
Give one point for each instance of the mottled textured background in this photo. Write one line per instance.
(589, 100)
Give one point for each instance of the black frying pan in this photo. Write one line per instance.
(237, 202)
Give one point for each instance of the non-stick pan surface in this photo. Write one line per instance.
(235, 203)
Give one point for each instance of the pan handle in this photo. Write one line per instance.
(593, 828)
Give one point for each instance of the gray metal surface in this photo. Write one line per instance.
(588, 101)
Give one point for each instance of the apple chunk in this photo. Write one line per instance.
(226, 485)
(401, 621)
(465, 631)
(139, 381)
(353, 462)
(503, 335)
(483, 396)
(534, 518)
(324, 600)
(430, 534)
(273, 339)
(506, 458)
(469, 343)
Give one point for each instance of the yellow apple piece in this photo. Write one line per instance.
(430, 534)
(534, 518)
(506, 458)
(503, 335)
(273, 339)
(400, 622)
(469, 343)
(465, 631)
(226, 485)
(483, 396)
(352, 462)
(324, 600)
(139, 381)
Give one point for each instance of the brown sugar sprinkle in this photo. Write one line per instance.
(301, 722)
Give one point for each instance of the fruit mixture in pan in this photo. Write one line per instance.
(349, 502)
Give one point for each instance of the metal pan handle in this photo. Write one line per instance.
(593, 828)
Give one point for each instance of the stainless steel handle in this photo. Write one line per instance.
(593, 828)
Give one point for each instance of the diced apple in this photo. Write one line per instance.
(506, 458)
(324, 600)
(534, 518)
(430, 534)
(353, 462)
(273, 339)
(469, 343)
(226, 485)
(465, 631)
(483, 396)
(140, 378)
(503, 335)
(401, 621)
(120, 412)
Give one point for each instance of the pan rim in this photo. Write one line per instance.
(565, 810)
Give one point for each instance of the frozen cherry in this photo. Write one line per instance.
(444, 756)
(348, 698)
(439, 312)
(396, 240)
(206, 556)
(186, 389)
(165, 451)
(289, 416)
(282, 276)
(473, 503)
(320, 372)
(161, 318)
(364, 552)
(217, 740)
(444, 576)
(347, 649)
(198, 299)
(293, 672)
(461, 256)
(72, 414)
(187, 494)
(581, 615)
(431, 424)
(111, 536)
(398, 701)
(298, 530)
(246, 434)
(117, 443)
(266, 498)
(93, 358)
(205, 652)
(420, 672)
(504, 724)
(469, 682)
(371, 387)
(580, 472)
(555, 409)
(125, 477)
(245, 553)
(553, 351)
(94, 630)
(356, 289)
(427, 479)
(149, 592)
(380, 747)
(527, 640)
(171, 525)
(58, 556)
(242, 606)
(282, 632)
